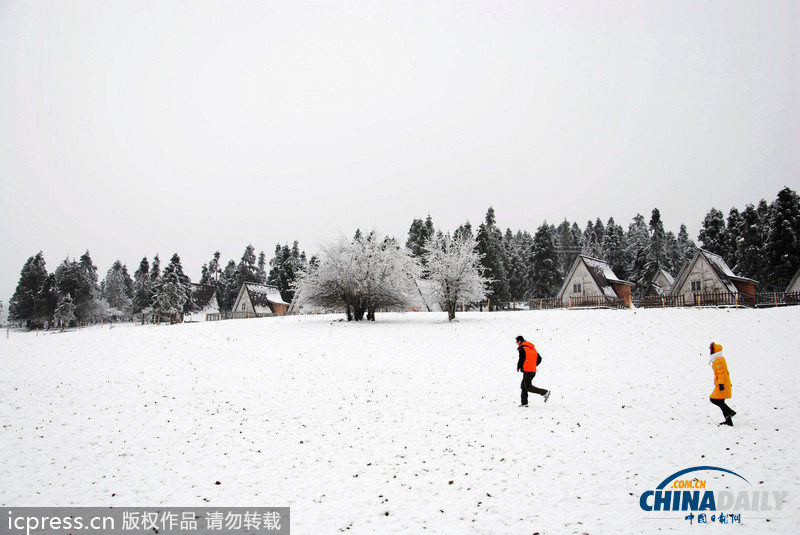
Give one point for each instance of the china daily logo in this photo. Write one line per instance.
(684, 493)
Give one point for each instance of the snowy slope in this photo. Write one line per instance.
(407, 425)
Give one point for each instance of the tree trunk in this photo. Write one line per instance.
(451, 311)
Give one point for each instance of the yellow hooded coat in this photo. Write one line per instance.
(721, 375)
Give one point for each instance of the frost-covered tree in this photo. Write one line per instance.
(493, 259)
(171, 297)
(226, 287)
(79, 279)
(518, 250)
(185, 285)
(65, 311)
(359, 275)
(210, 272)
(638, 243)
(545, 274)
(246, 269)
(453, 264)
(713, 236)
(591, 242)
(686, 246)
(614, 249)
(142, 290)
(47, 302)
(750, 245)
(118, 289)
(782, 246)
(2, 314)
(655, 253)
(31, 279)
(285, 266)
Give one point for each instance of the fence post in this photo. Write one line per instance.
(776, 298)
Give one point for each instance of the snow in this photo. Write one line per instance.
(269, 292)
(410, 424)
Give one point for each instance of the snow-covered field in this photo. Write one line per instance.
(407, 425)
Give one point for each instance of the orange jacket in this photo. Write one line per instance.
(529, 365)
(721, 377)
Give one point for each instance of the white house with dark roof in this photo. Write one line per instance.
(205, 299)
(708, 273)
(661, 284)
(259, 300)
(592, 281)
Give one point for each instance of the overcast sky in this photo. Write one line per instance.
(131, 128)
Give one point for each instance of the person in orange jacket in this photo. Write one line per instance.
(528, 359)
(722, 383)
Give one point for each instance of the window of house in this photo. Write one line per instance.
(576, 288)
(696, 286)
(244, 307)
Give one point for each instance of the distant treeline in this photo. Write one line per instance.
(761, 242)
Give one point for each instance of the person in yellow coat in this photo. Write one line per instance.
(722, 383)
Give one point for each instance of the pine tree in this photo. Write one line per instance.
(686, 246)
(782, 247)
(155, 270)
(518, 250)
(285, 266)
(638, 243)
(171, 297)
(492, 252)
(261, 270)
(79, 279)
(614, 249)
(185, 285)
(65, 311)
(227, 292)
(47, 302)
(142, 289)
(545, 276)
(750, 245)
(31, 279)
(419, 232)
(732, 236)
(567, 246)
(713, 234)
(246, 269)
(118, 289)
(591, 245)
(655, 253)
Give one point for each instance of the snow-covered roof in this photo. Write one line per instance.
(202, 295)
(718, 264)
(600, 271)
(263, 296)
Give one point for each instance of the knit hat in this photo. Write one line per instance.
(715, 348)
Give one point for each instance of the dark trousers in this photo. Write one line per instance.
(727, 412)
(527, 379)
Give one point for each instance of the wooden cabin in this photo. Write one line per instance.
(591, 283)
(707, 280)
(258, 301)
(205, 299)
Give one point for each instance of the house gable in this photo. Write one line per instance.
(709, 273)
(794, 284)
(592, 277)
(257, 300)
